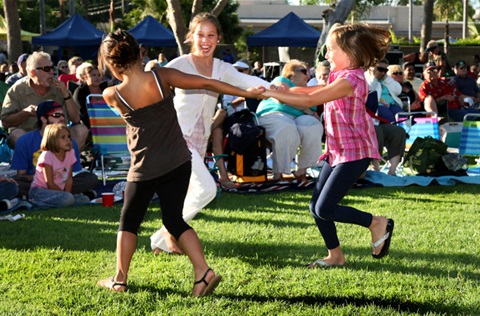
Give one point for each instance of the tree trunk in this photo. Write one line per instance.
(426, 32)
(219, 7)
(335, 14)
(61, 8)
(446, 37)
(175, 19)
(196, 7)
(14, 39)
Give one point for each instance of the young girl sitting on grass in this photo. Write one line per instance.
(52, 183)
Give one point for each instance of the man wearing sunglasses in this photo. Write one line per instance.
(19, 107)
(27, 151)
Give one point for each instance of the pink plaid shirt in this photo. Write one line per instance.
(349, 130)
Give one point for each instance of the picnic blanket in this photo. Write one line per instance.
(382, 179)
(272, 186)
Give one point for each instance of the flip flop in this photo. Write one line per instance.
(210, 285)
(386, 238)
(110, 284)
(322, 264)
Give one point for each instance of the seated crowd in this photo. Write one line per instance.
(36, 96)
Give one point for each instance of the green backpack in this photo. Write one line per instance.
(425, 155)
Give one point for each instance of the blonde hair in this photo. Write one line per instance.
(83, 70)
(50, 136)
(364, 44)
(73, 60)
(289, 69)
(394, 68)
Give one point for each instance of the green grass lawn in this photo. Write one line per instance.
(260, 244)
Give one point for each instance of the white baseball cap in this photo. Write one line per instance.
(241, 64)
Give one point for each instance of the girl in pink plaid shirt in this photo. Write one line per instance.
(350, 136)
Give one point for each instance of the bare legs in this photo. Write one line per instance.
(217, 147)
(393, 164)
(188, 243)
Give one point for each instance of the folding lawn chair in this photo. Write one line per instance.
(470, 137)
(418, 124)
(108, 135)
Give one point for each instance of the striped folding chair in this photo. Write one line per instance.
(470, 136)
(108, 135)
(418, 124)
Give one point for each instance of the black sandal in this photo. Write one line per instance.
(210, 286)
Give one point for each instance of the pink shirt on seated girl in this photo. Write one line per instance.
(60, 169)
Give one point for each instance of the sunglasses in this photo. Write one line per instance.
(381, 69)
(57, 115)
(242, 69)
(435, 70)
(46, 68)
(397, 73)
(63, 66)
(302, 70)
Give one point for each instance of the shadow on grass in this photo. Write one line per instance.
(83, 228)
(282, 256)
(335, 301)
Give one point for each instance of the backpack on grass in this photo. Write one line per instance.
(426, 158)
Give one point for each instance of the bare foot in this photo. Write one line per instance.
(328, 261)
(113, 285)
(171, 242)
(206, 284)
(300, 177)
(335, 258)
(378, 229)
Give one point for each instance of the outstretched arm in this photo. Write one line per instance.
(338, 89)
(178, 79)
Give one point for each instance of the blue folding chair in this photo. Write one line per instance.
(418, 124)
(470, 137)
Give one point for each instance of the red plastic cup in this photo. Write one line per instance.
(107, 199)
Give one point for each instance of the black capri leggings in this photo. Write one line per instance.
(171, 189)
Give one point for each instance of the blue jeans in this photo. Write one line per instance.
(389, 113)
(457, 114)
(44, 198)
(8, 190)
(332, 185)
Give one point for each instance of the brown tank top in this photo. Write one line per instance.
(154, 138)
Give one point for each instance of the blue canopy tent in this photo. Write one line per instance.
(290, 30)
(150, 32)
(75, 32)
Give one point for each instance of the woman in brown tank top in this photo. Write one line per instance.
(160, 157)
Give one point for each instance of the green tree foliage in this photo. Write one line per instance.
(157, 8)
(451, 9)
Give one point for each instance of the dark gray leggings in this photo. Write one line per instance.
(171, 189)
(332, 185)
